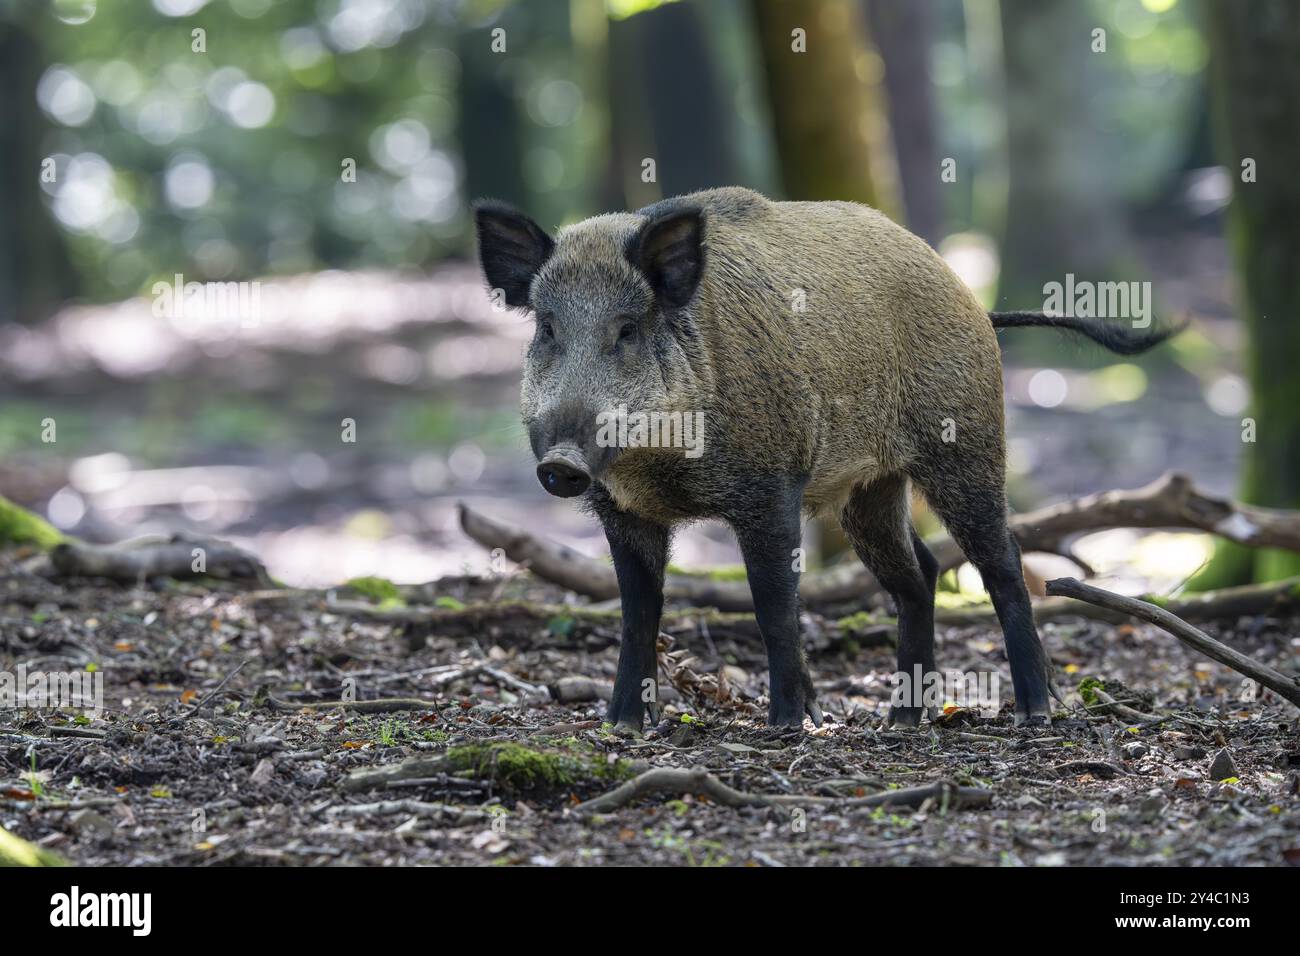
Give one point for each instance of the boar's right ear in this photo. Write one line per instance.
(511, 248)
(669, 252)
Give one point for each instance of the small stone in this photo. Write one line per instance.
(736, 675)
(311, 779)
(263, 772)
(1135, 751)
(1222, 766)
(91, 823)
(1153, 805)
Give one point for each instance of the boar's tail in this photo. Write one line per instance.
(1116, 338)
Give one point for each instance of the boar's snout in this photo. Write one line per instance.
(564, 472)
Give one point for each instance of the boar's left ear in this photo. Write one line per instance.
(511, 247)
(669, 252)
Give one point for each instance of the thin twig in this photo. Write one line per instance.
(218, 689)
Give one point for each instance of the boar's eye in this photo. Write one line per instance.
(545, 327)
(627, 332)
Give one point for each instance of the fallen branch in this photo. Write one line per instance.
(412, 768)
(157, 557)
(699, 781)
(1169, 502)
(550, 560)
(416, 808)
(380, 705)
(1198, 640)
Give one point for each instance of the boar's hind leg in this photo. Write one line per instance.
(972, 504)
(878, 523)
(767, 525)
(640, 552)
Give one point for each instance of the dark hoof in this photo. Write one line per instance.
(784, 719)
(814, 713)
(908, 718)
(1037, 712)
(1033, 721)
(792, 716)
(632, 713)
(626, 728)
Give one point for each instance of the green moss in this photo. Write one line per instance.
(380, 590)
(559, 626)
(857, 622)
(18, 526)
(15, 851)
(1088, 688)
(450, 603)
(515, 768)
(730, 572)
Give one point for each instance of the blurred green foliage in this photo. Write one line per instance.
(227, 154)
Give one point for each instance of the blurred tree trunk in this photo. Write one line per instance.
(489, 129)
(1062, 213)
(903, 31)
(595, 125)
(1255, 57)
(35, 274)
(827, 103)
(671, 109)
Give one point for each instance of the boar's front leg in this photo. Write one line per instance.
(640, 551)
(767, 527)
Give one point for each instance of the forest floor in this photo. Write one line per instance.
(215, 745)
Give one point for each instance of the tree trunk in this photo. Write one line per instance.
(489, 132)
(903, 31)
(1062, 213)
(831, 130)
(1255, 58)
(34, 271)
(670, 110)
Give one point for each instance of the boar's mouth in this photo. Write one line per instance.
(564, 471)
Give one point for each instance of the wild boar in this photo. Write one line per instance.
(833, 361)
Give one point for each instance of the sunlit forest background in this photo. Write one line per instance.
(329, 150)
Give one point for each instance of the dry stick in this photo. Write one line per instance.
(380, 705)
(1169, 502)
(218, 689)
(1198, 640)
(699, 781)
(412, 807)
(87, 733)
(1115, 708)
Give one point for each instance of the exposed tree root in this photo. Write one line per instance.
(698, 781)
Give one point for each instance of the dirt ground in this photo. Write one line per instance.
(209, 750)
